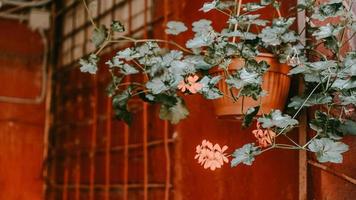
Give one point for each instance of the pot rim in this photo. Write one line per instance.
(280, 68)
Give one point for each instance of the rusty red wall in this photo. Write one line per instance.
(274, 175)
(21, 126)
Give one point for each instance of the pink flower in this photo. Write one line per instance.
(349, 111)
(190, 84)
(265, 137)
(211, 156)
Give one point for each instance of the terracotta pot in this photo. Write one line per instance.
(276, 83)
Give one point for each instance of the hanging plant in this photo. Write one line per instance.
(245, 71)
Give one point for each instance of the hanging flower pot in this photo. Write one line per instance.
(276, 83)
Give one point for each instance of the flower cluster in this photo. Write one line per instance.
(265, 137)
(190, 84)
(211, 156)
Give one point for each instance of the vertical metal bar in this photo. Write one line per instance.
(93, 137)
(302, 130)
(94, 128)
(166, 125)
(145, 122)
(108, 146)
(65, 179)
(126, 162)
(108, 130)
(126, 128)
(77, 142)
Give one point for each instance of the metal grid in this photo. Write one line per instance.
(91, 156)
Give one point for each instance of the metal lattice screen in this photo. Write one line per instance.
(90, 155)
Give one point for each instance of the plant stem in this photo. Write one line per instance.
(89, 14)
(225, 13)
(237, 11)
(125, 38)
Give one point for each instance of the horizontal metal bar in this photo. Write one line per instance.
(112, 186)
(99, 17)
(73, 152)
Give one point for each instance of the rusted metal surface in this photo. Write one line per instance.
(21, 126)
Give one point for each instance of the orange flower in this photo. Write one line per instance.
(190, 84)
(265, 137)
(211, 156)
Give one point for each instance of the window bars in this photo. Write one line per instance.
(90, 156)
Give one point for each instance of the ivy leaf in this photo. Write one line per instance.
(173, 55)
(350, 64)
(331, 9)
(111, 89)
(326, 31)
(249, 7)
(276, 119)
(99, 36)
(175, 28)
(89, 65)
(208, 6)
(245, 155)
(128, 54)
(266, 2)
(243, 78)
(174, 113)
(289, 37)
(326, 126)
(315, 99)
(270, 36)
(250, 114)
(117, 26)
(242, 35)
(198, 62)
(328, 150)
(119, 103)
(348, 127)
(128, 69)
(209, 90)
(346, 100)
(157, 85)
(344, 84)
(202, 26)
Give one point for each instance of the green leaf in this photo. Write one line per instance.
(117, 26)
(276, 119)
(174, 113)
(266, 2)
(128, 69)
(245, 155)
(111, 89)
(314, 99)
(202, 26)
(350, 64)
(157, 85)
(326, 126)
(249, 7)
(175, 27)
(326, 31)
(209, 90)
(346, 100)
(333, 8)
(328, 150)
(119, 103)
(127, 54)
(89, 65)
(208, 6)
(348, 127)
(250, 114)
(99, 36)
